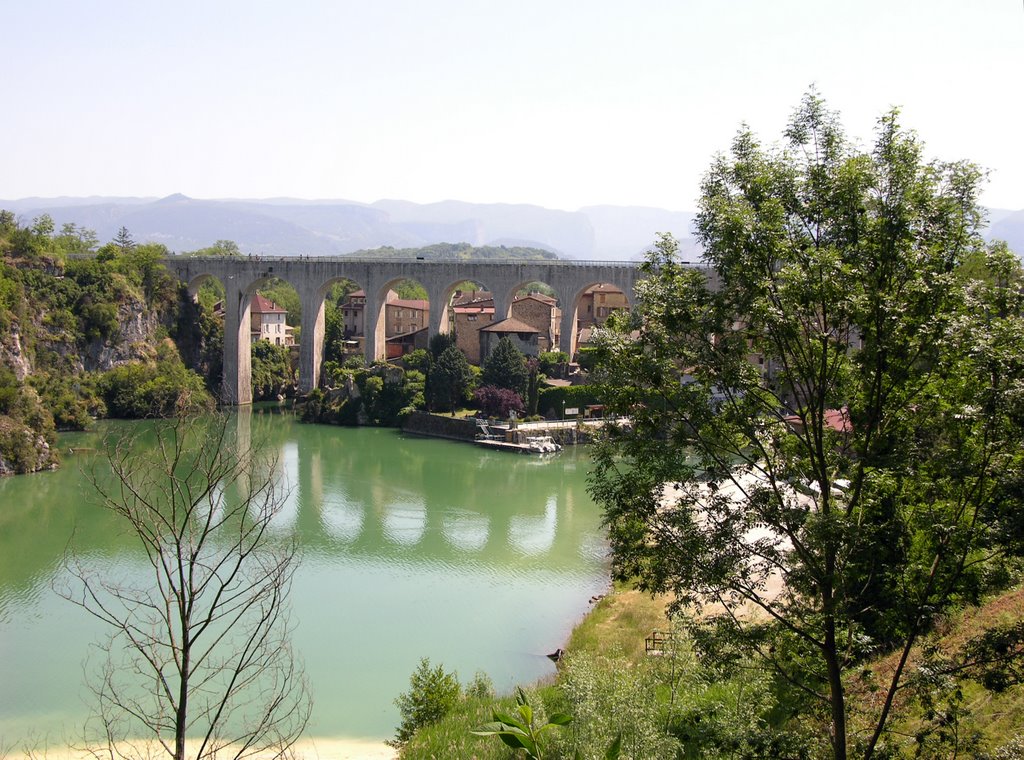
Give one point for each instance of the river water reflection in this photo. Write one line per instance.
(410, 548)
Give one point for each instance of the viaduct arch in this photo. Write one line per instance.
(313, 277)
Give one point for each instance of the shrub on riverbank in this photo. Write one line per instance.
(27, 433)
(377, 395)
(158, 389)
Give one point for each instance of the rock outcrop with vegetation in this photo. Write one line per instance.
(86, 334)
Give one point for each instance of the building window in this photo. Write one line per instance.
(471, 318)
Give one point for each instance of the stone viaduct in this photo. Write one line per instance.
(312, 278)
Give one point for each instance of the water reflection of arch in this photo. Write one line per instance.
(418, 529)
(404, 521)
(533, 535)
(410, 505)
(342, 520)
(465, 530)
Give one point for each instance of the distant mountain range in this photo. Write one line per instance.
(286, 226)
(1008, 226)
(283, 226)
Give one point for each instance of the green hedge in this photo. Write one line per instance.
(554, 400)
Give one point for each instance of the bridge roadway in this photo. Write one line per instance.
(312, 278)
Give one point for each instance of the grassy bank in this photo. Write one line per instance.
(611, 685)
(619, 622)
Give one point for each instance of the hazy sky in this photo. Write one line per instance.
(561, 104)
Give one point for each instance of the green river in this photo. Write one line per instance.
(411, 548)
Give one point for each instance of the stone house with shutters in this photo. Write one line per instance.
(268, 321)
(400, 315)
(405, 321)
(597, 303)
(525, 337)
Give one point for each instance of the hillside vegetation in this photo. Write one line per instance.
(677, 704)
(459, 252)
(100, 335)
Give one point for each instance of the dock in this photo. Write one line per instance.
(518, 448)
(507, 435)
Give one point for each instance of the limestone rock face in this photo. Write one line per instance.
(134, 341)
(12, 355)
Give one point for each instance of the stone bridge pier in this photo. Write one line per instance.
(312, 278)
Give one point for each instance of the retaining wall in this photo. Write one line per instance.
(438, 426)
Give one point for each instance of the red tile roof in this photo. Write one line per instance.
(410, 304)
(511, 325)
(546, 300)
(835, 419)
(261, 305)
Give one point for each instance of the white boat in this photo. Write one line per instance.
(542, 444)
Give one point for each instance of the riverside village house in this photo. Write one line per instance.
(267, 322)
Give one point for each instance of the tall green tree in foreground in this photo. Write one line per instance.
(826, 422)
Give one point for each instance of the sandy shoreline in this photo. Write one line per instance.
(323, 748)
(344, 749)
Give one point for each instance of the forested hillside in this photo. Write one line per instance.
(459, 251)
(101, 334)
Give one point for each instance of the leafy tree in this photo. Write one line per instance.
(334, 335)
(75, 239)
(549, 360)
(285, 296)
(826, 423)
(498, 402)
(219, 248)
(43, 226)
(99, 321)
(162, 389)
(449, 378)
(411, 290)
(506, 368)
(24, 423)
(418, 359)
(433, 693)
(532, 385)
(271, 370)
